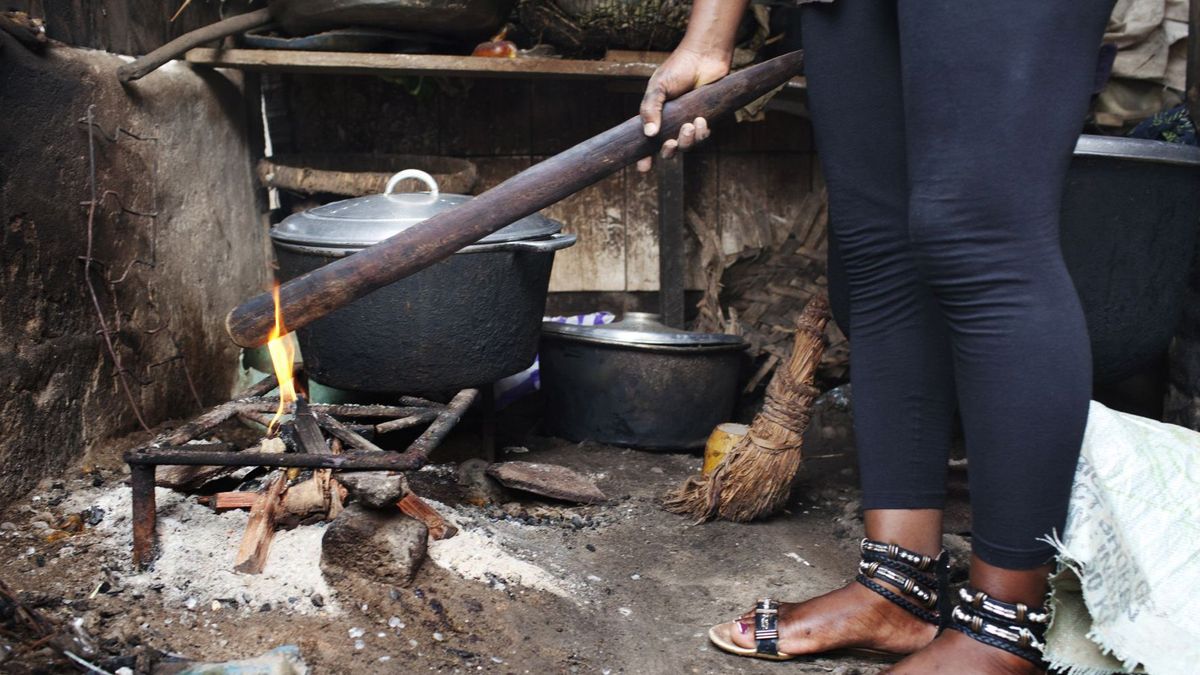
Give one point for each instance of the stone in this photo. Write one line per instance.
(382, 547)
(375, 489)
(481, 488)
(548, 480)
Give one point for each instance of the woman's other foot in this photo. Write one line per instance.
(851, 617)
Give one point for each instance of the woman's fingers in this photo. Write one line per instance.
(669, 148)
(690, 134)
(652, 105)
(687, 136)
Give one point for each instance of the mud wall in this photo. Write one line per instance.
(175, 243)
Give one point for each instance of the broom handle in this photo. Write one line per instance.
(325, 289)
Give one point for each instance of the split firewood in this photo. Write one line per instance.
(415, 507)
(226, 501)
(260, 530)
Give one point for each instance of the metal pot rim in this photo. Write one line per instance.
(667, 340)
(1137, 149)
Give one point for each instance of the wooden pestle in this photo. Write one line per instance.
(315, 294)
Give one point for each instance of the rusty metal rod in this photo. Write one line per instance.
(145, 536)
(353, 461)
(407, 422)
(446, 420)
(347, 435)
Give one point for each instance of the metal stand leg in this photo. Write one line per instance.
(145, 536)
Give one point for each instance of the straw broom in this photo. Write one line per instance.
(755, 477)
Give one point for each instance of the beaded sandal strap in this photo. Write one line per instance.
(920, 577)
(1015, 628)
(766, 627)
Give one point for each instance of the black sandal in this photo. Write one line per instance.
(1016, 628)
(924, 593)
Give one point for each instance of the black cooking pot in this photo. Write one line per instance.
(1130, 213)
(637, 382)
(466, 321)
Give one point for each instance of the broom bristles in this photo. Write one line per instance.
(755, 478)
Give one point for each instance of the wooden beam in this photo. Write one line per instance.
(354, 63)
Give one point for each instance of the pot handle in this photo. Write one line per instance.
(420, 175)
(548, 245)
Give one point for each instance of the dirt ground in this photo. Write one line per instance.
(621, 587)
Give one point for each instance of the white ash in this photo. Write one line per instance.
(477, 552)
(197, 547)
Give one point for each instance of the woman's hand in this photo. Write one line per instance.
(686, 69)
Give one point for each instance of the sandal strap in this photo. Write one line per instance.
(1015, 628)
(918, 576)
(898, 553)
(896, 599)
(1019, 613)
(766, 627)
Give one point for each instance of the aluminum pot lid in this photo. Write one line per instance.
(363, 221)
(641, 329)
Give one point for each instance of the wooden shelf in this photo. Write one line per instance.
(355, 63)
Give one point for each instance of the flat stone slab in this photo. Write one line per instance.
(548, 480)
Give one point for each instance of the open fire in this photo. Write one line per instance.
(283, 357)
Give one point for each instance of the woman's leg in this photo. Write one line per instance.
(903, 384)
(994, 96)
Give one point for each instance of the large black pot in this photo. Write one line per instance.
(638, 383)
(1130, 212)
(466, 321)
(1129, 218)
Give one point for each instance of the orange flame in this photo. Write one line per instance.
(283, 356)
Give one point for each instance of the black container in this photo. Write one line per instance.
(466, 321)
(1130, 215)
(637, 383)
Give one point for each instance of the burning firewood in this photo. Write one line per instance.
(260, 531)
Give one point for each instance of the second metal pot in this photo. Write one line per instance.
(638, 383)
(468, 320)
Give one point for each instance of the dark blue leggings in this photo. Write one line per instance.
(944, 130)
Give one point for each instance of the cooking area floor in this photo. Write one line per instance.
(524, 587)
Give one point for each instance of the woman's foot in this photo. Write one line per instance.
(851, 617)
(954, 652)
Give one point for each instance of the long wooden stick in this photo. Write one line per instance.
(315, 294)
(144, 65)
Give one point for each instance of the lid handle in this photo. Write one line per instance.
(420, 175)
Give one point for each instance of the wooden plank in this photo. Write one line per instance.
(670, 240)
(597, 262)
(761, 197)
(495, 170)
(566, 112)
(641, 230)
(352, 63)
(334, 114)
(489, 118)
(355, 63)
